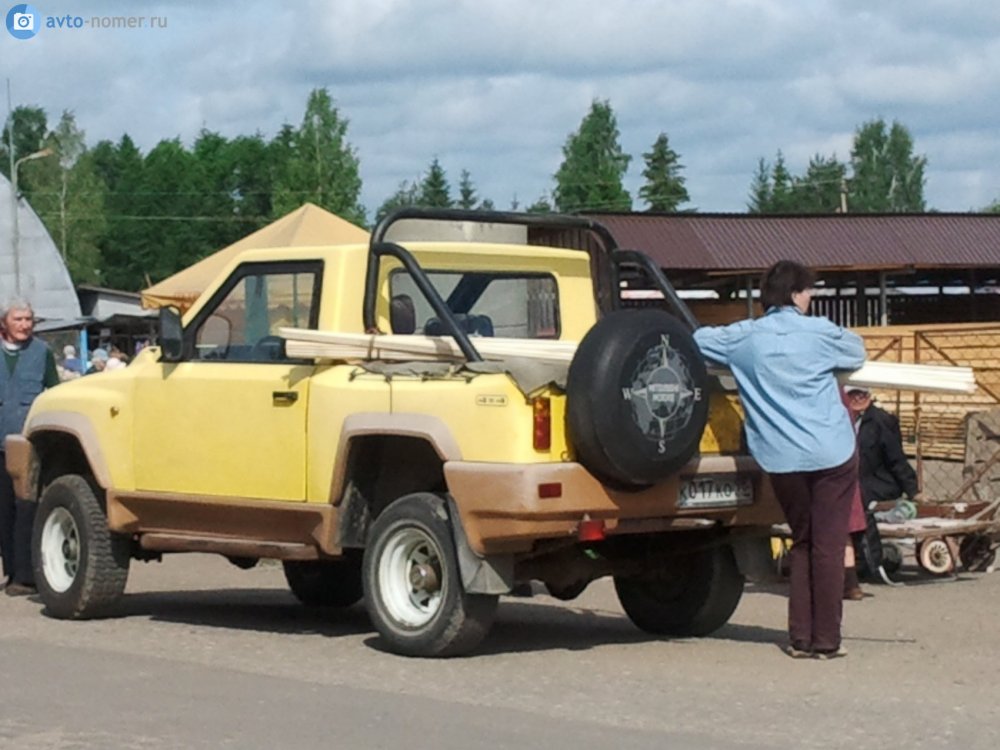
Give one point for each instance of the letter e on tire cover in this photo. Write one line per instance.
(636, 399)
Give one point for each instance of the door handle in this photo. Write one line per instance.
(284, 398)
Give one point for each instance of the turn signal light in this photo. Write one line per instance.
(541, 411)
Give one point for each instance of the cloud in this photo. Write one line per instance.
(495, 87)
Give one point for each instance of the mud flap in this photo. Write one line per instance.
(754, 558)
(492, 574)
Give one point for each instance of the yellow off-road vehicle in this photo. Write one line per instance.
(427, 488)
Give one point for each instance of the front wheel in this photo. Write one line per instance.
(80, 567)
(413, 588)
(693, 596)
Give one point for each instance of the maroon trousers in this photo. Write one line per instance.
(817, 506)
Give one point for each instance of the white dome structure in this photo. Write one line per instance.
(44, 280)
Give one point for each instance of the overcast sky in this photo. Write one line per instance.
(497, 86)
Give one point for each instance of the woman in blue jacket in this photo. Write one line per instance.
(800, 433)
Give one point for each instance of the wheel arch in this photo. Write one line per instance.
(383, 457)
(56, 444)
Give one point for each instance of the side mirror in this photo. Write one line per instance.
(171, 335)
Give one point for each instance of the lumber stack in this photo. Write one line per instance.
(362, 346)
(300, 342)
(906, 377)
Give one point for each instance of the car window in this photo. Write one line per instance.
(514, 305)
(243, 325)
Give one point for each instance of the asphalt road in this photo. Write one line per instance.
(208, 656)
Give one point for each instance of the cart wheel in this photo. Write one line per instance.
(935, 557)
(976, 552)
(892, 557)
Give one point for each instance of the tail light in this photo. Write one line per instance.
(541, 411)
(590, 530)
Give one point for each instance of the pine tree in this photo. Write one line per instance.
(664, 187)
(760, 189)
(594, 165)
(434, 189)
(467, 197)
(781, 187)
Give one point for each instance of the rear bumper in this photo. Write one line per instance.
(502, 510)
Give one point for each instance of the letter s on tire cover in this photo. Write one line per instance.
(636, 399)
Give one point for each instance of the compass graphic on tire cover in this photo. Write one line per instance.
(661, 394)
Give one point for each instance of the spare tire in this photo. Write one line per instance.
(636, 402)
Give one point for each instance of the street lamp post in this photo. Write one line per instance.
(16, 234)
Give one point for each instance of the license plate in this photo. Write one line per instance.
(716, 491)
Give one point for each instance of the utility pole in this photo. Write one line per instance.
(843, 195)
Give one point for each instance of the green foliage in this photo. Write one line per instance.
(121, 168)
(773, 190)
(782, 200)
(171, 194)
(993, 208)
(594, 165)
(467, 197)
(819, 192)
(541, 206)
(886, 176)
(760, 189)
(664, 187)
(434, 189)
(408, 194)
(321, 167)
(68, 196)
(29, 127)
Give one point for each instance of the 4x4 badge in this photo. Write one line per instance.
(661, 394)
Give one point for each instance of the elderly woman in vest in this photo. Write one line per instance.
(28, 369)
(797, 428)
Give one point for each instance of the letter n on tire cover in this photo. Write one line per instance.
(636, 397)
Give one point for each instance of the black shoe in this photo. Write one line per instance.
(19, 589)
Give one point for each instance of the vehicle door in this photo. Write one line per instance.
(230, 418)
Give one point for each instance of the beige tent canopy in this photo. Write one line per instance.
(309, 225)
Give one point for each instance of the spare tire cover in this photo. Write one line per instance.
(636, 401)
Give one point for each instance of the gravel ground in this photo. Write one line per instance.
(922, 672)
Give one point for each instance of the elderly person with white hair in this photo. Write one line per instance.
(28, 369)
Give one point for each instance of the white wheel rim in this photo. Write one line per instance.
(60, 550)
(936, 556)
(410, 577)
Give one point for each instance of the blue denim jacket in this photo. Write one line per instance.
(784, 365)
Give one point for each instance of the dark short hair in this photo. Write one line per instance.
(782, 280)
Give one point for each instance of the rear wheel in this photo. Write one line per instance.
(695, 595)
(325, 583)
(80, 567)
(413, 588)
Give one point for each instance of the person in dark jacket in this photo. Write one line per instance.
(885, 472)
(28, 369)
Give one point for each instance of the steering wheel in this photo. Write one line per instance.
(268, 349)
